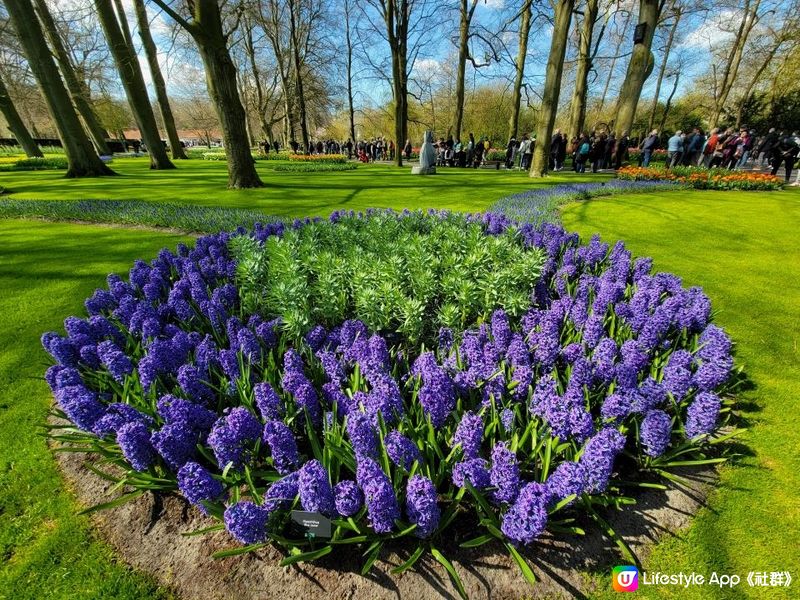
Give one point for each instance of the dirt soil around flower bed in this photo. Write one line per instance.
(147, 535)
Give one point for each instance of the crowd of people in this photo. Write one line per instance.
(727, 149)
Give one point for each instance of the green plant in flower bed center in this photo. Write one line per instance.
(574, 365)
(407, 276)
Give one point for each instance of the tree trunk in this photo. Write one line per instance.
(552, 87)
(466, 12)
(522, 53)
(668, 105)
(82, 159)
(298, 74)
(754, 80)
(639, 68)
(221, 80)
(614, 62)
(75, 87)
(151, 51)
(16, 125)
(132, 81)
(578, 104)
(349, 42)
(735, 58)
(662, 70)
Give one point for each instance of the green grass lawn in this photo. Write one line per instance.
(287, 194)
(744, 250)
(46, 271)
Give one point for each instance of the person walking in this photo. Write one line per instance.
(584, 149)
(674, 149)
(693, 148)
(649, 145)
(621, 150)
(765, 147)
(785, 152)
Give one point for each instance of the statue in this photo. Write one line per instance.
(427, 157)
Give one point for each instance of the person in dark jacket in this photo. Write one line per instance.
(765, 147)
(694, 146)
(555, 150)
(785, 152)
(649, 145)
(621, 149)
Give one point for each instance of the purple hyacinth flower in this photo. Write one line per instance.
(348, 498)
(282, 445)
(569, 478)
(115, 360)
(247, 522)
(382, 506)
(437, 394)
(401, 450)
(134, 441)
(233, 436)
(282, 493)
(655, 432)
(267, 401)
(176, 443)
(527, 518)
(473, 470)
(702, 415)
(81, 406)
(469, 434)
(197, 485)
(316, 493)
(362, 434)
(598, 458)
(421, 506)
(504, 474)
(118, 414)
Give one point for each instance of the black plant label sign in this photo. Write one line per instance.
(313, 524)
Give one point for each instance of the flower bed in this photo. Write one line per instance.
(35, 164)
(318, 158)
(198, 375)
(541, 205)
(704, 179)
(315, 167)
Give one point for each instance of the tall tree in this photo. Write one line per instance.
(205, 25)
(519, 66)
(130, 73)
(151, 51)
(266, 94)
(82, 159)
(730, 71)
(552, 87)
(270, 15)
(639, 67)
(16, 124)
(348, 40)
(676, 18)
(74, 86)
(578, 103)
(466, 13)
(294, 17)
(620, 39)
(396, 16)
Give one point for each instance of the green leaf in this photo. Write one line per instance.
(113, 503)
(478, 541)
(410, 562)
(203, 531)
(451, 571)
(372, 555)
(237, 551)
(307, 556)
(527, 572)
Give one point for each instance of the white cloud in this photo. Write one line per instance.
(713, 31)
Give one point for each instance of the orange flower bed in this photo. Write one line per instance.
(704, 179)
